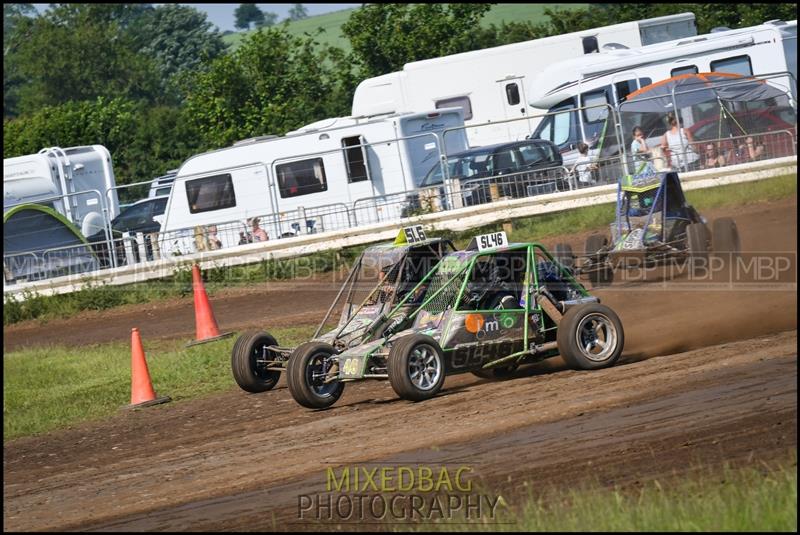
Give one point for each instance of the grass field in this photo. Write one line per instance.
(751, 498)
(525, 229)
(331, 22)
(54, 387)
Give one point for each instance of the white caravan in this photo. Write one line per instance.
(52, 175)
(495, 84)
(321, 168)
(607, 78)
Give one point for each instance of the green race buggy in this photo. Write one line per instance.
(382, 276)
(654, 225)
(485, 310)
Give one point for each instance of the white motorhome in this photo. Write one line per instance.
(607, 78)
(323, 167)
(495, 84)
(53, 175)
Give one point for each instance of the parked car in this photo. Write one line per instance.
(512, 170)
(143, 216)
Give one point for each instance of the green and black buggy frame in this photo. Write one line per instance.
(382, 276)
(486, 310)
(654, 225)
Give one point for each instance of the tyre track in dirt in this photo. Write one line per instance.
(764, 227)
(227, 453)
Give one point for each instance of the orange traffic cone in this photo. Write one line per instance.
(207, 330)
(142, 393)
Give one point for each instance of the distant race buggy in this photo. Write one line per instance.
(381, 277)
(654, 225)
(485, 310)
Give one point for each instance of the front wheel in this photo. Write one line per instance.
(416, 367)
(306, 372)
(590, 337)
(248, 362)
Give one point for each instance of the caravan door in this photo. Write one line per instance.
(514, 105)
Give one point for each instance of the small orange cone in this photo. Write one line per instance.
(207, 330)
(142, 393)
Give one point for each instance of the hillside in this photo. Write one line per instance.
(332, 22)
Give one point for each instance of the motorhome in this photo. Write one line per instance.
(607, 78)
(291, 182)
(77, 182)
(495, 84)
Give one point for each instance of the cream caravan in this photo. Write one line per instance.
(495, 84)
(323, 167)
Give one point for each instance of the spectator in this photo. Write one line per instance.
(712, 158)
(752, 150)
(641, 154)
(213, 241)
(258, 233)
(679, 144)
(584, 166)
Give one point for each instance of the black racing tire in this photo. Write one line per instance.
(243, 362)
(587, 324)
(725, 237)
(305, 360)
(562, 253)
(501, 372)
(697, 239)
(600, 273)
(413, 353)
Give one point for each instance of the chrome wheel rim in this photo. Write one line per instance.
(597, 337)
(424, 367)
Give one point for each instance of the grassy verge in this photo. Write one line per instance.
(53, 387)
(751, 498)
(525, 229)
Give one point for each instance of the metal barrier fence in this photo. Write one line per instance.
(451, 193)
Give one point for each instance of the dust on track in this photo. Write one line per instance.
(764, 227)
(229, 460)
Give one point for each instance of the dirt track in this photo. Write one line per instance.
(766, 227)
(232, 460)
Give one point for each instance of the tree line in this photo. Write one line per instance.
(156, 84)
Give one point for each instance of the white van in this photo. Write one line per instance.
(494, 84)
(46, 177)
(607, 78)
(307, 180)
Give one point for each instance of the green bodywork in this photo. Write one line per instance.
(440, 317)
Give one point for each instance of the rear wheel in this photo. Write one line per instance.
(697, 246)
(247, 362)
(725, 238)
(416, 367)
(590, 337)
(562, 252)
(305, 375)
(599, 271)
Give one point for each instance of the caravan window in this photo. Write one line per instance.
(595, 98)
(687, 69)
(210, 193)
(738, 65)
(354, 159)
(512, 94)
(301, 178)
(627, 87)
(457, 102)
